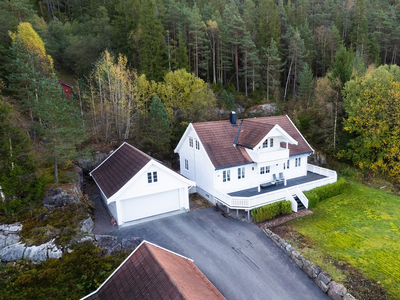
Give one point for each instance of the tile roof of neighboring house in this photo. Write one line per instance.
(119, 168)
(218, 138)
(152, 272)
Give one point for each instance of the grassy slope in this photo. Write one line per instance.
(361, 227)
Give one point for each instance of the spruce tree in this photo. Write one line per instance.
(152, 48)
(159, 126)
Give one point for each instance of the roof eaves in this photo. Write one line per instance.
(232, 166)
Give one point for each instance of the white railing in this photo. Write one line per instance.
(296, 191)
(292, 201)
(321, 171)
(268, 156)
(247, 203)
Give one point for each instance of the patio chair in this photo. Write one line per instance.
(281, 178)
(274, 179)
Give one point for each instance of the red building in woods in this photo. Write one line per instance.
(66, 88)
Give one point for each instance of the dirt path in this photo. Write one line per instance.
(102, 219)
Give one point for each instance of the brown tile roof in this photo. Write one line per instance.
(119, 168)
(154, 273)
(218, 138)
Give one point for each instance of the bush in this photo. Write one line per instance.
(270, 211)
(324, 192)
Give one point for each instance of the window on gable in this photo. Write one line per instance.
(186, 165)
(191, 142)
(155, 176)
(265, 144)
(271, 142)
(226, 176)
(197, 145)
(240, 173)
(262, 170)
(152, 177)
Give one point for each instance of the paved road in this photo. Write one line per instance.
(237, 257)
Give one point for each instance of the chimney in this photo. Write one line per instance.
(232, 118)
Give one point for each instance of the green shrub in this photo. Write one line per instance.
(324, 192)
(270, 211)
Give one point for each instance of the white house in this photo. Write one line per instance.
(250, 163)
(134, 185)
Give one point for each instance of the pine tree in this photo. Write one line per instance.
(61, 124)
(272, 66)
(306, 85)
(159, 126)
(197, 32)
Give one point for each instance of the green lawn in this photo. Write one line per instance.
(362, 227)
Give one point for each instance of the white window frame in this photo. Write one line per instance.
(191, 142)
(241, 173)
(288, 164)
(226, 176)
(152, 177)
(265, 144)
(271, 143)
(262, 170)
(197, 145)
(186, 165)
(267, 169)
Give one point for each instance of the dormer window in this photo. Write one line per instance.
(265, 144)
(271, 143)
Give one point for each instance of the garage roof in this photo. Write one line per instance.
(119, 168)
(152, 272)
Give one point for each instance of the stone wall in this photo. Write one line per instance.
(334, 290)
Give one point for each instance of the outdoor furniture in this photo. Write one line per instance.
(267, 184)
(275, 179)
(281, 178)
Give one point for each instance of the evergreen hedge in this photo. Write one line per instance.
(270, 211)
(324, 192)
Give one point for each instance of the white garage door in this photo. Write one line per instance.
(146, 206)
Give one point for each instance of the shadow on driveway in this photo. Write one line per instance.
(237, 257)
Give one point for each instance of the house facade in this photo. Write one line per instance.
(134, 185)
(249, 163)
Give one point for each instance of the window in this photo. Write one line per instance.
(267, 169)
(191, 142)
(186, 165)
(265, 144)
(240, 173)
(152, 177)
(287, 165)
(226, 176)
(271, 142)
(262, 170)
(197, 145)
(297, 162)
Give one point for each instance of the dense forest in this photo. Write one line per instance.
(143, 69)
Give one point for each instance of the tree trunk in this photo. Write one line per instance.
(55, 167)
(287, 80)
(237, 66)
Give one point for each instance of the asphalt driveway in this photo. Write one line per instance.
(237, 257)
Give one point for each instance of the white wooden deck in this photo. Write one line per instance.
(252, 198)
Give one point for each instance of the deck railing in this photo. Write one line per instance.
(248, 203)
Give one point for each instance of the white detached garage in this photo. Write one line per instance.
(135, 186)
